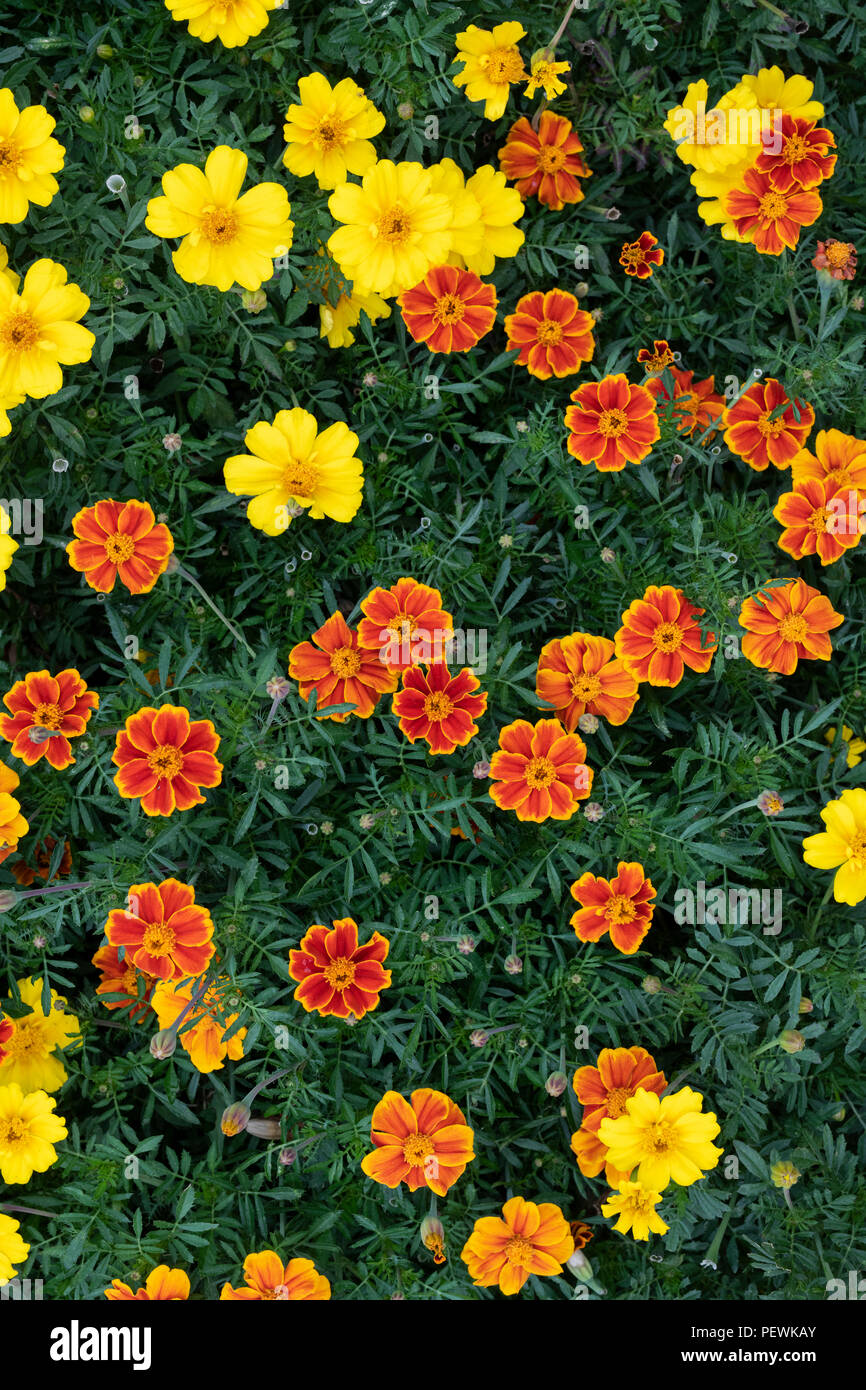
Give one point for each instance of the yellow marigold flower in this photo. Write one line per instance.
(205, 1021)
(29, 157)
(500, 207)
(635, 1206)
(774, 92)
(13, 1250)
(842, 846)
(544, 72)
(328, 134)
(667, 1138)
(39, 331)
(856, 746)
(491, 62)
(714, 139)
(337, 320)
(30, 1060)
(465, 227)
(395, 229)
(230, 21)
(28, 1132)
(227, 237)
(784, 1174)
(290, 462)
(8, 546)
(13, 826)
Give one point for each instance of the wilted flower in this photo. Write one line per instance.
(278, 687)
(481, 768)
(593, 810)
(433, 1236)
(556, 1083)
(513, 965)
(171, 443)
(478, 1037)
(770, 803)
(651, 984)
(588, 724)
(466, 945)
(805, 1006)
(506, 542)
(784, 1174)
(608, 556)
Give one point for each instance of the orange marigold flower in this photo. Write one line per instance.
(546, 163)
(553, 333)
(405, 624)
(581, 1234)
(761, 426)
(591, 1155)
(620, 906)
(60, 705)
(618, 1072)
(119, 540)
(611, 423)
(656, 359)
(337, 976)
(786, 624)
(121, 977)
(164, 758)
(639, 257)
(43, 854)
(838, 258)
(165, 932)
(526, 1239)
(438, 707)
(450, 310)
(819, 519)
(659, 637)
(202, 1032)
(839, 458)
(340, 670)
(268, 1280)
(770, 219)
(163, 1284)
(540, 771)
(7, 1028)
(425, 1143)
(804, 158)
(580, 675)
(696, 406)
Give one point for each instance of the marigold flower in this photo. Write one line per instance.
(581, 1234)
(230, 21)
(164, 931)
(579, 674)
(638, 258)
(165, 758)
(425, 1143)
(842, 846)
(405, 624)
(773, 91)
(59, 704)
(395, 228)
(635, 1206)
(611, 423)
(226, 237)
(762, 428)
(29, 157)
(621, 906)
(667, 1138)
(540, 771)
(785, 624)
(659, 637)
(545, 163)
(31, 1061)
(492, 235)
(43, 853)
(553, 333)
(814, 515)
(337, 320)
(839, 458)
(855, 746)
(269, 1280)
(784, 1174)
(838, 258)
(618, 1073)
(340, 670)
(438, 707)
(329, 133)
(338, 976)
(39, 331)
(526, 1239)
(804, 158)
(121, 977)
(289, 462)
(656, 359)
(544, 73)
(770, 803)
(13, 826)
(768, 217)
(696, 408)
(202, 1032)
(13, 1250)
(450, 310)
(491, 63)
(119, 540)
(162, 1284)
(710, 138)
(28, 1132)
(433, 1238)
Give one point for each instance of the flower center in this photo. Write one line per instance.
(612, 423)
(585, 688)
(855, 851)
(165, 761)
(219, 226)
(766, 426)
(300, 479)
(449, 309)
(795, 149)
(631, 255)
(331, 132)
(438, 705)
(619, 909)
(837, 253)
(818, 520)
(416, 1148)
(616, 1100)
(550, 158)
(772, 206)
(340, 973)
(119, 548)
(10, 157)
(793, 628)
(158, 938)
(12, 1131)
(503, 65)
(667, 637)
(394, 225)
(26, 1039)
(550, 332)
(48, 716)
(660, 1137)
(519, 1251)
(540, 772)
(20, 332)
(345, 662)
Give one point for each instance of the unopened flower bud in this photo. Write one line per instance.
(608, 556)
(651, 984)
(513, 965)
(104, 50)
(593, 810)
(556, 1083)
(235, 1119)
(478, 1038)
(405, 110)
(580, 1266)
(8, 899)
(481, 768)
(254, 301)
(40, 735)
(288, 1157)
(278, 687)
(581, 290)
(163, 1044)
(433, 1236)
(86, 114)
(466, 945)
(792, 1041)
(263, 1129)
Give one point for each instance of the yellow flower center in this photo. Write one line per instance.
(660, 1137)
(48, 716)
(818, 520)
(300, 479)
(550, 158)
(585, 688)
(394, 226)
(438, 705)
(794, 149)
(330, 132)
(219, 226)
(773, 206)
(340, 973)
(345, 662)
(165, 761)
(119, 548)
(416, 1148)
(550, 332)
(540, 772)
(631, 255)
(503, 65)
(619, 909)
(449, 309)
(766, 426)
(837, 253)
(10, 157)
(667, 637)
(519, 1251)
(158, 938)
(27, 1039)
(855, 851)
(616, 1100)
(20, 332)
(12, 1131)
(793, 628)
(612, 423)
